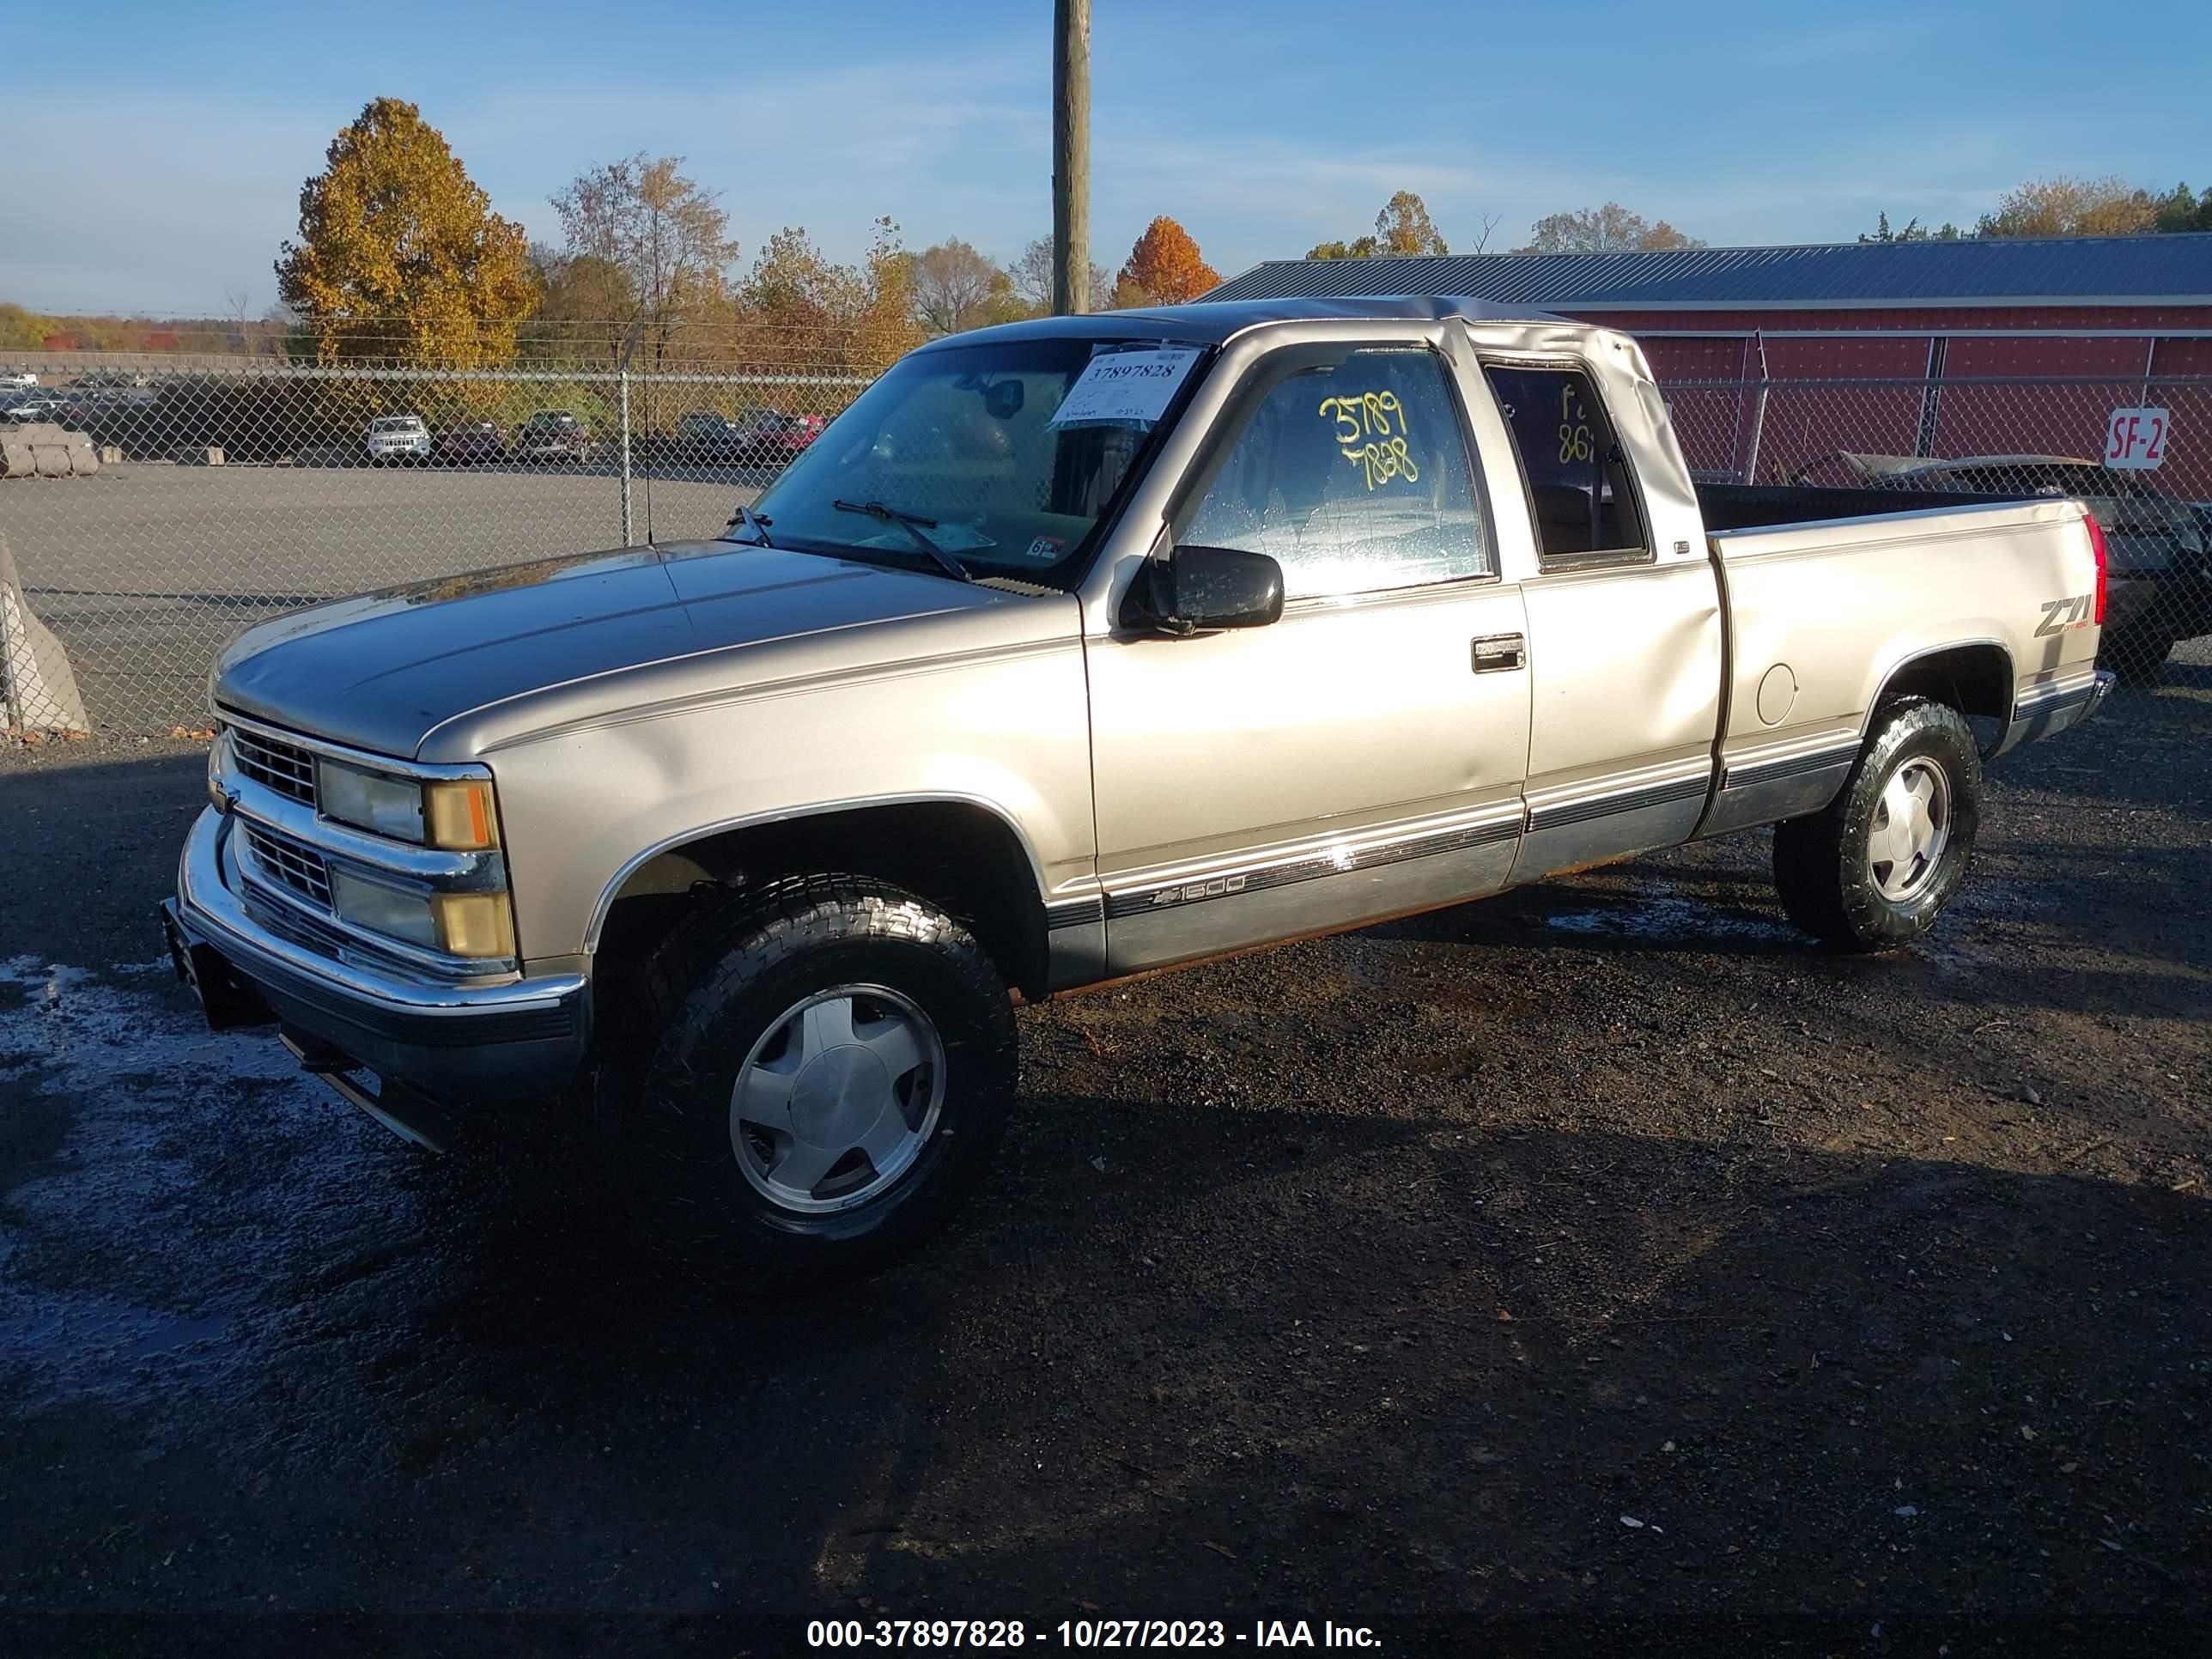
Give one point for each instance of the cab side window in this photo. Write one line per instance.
(1578, 480)
(1350, 470)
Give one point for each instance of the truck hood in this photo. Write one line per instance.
(381, 671)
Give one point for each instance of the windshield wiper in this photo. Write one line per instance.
(914, 523)
(753, 521)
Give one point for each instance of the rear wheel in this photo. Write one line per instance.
(1876, 866)
(830, 1065)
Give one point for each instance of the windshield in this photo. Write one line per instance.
(965, 442)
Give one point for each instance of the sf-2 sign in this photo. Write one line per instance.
(2135, 440)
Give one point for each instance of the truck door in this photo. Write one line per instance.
(1625, 626)
(1360, 757)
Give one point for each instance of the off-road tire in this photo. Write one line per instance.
(1821, 862)
(714, 988)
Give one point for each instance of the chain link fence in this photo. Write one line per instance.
(199, 500)
(2137, 451)
(195, 502)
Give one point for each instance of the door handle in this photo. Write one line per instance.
(1500, 653)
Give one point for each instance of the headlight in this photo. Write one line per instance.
(393, 911)
(452, 814)
(460, 924)
(374, 801)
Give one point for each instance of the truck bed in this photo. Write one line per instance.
(2003, 596)
(1753, 507)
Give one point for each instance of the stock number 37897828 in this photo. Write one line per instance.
(1015, 1633)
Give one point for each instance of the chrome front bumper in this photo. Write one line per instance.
(505, 1040)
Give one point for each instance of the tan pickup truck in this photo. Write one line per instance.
(1073, 649)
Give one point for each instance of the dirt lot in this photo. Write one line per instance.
(1597, 1268)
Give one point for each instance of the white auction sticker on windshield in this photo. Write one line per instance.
(1126, 388)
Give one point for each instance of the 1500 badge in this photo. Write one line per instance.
(2060, 615)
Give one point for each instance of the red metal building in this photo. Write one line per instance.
(1773, 357)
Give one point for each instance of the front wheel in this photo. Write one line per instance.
(1876, 866)
(832, 1066)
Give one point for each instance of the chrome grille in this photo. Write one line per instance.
(279, 766)
(290, 865)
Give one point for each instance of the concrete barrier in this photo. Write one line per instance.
(38, 688)
(40, 449)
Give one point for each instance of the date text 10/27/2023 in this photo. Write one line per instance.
(1087, 1634)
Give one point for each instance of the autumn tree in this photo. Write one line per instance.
(1165, 264)
(1128, 294)
(954, 286)
(2065, 206)
(583, 310)
(667, 237)
(400, 255)
(884, 330)
(1404, 228)
(20, 330)
(1031, 276)
(1608, 229)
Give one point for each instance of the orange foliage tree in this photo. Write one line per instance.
(1166, 262)
(400, 256)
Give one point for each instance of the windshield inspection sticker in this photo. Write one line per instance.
(1126, 388)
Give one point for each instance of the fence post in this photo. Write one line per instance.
(625, 456)
(1758, 413)
(1758, 429)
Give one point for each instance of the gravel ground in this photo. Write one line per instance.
(1599, 1267)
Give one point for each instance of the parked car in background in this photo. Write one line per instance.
(25, 407)
(398, 439)
(705, 436)
(754, 437)
(18, 377)
(771, 438)
(553, 435)
(2162, 547)
(473, 441)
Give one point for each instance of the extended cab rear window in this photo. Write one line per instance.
(1579, 489)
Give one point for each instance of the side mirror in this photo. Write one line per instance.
(1201, 589)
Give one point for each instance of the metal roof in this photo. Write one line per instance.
(1213, 321)
(2067, 270)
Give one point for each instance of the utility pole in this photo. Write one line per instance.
(1070, 157)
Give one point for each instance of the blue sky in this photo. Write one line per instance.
(172, 158)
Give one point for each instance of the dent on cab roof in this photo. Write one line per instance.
(1216, 322)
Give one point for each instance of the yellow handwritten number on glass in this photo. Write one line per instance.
(1577, 442)
(1364, 422)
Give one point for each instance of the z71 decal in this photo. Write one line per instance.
(2060, 616)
